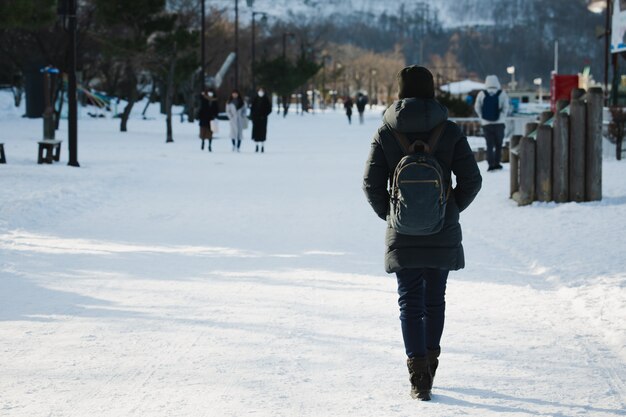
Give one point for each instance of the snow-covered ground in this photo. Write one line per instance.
(160, 280)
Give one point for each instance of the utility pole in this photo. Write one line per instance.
(72, 119)
(607, 48)
(263, 17)
(202, 44)
(236, 44)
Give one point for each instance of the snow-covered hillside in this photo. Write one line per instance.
(452, 13)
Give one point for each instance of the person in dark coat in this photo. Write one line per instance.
(348, 104)
(259, 111)
(208, 112)
(361, 102)
(422, 263)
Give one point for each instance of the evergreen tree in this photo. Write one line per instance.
(175, 60)
(127, 27)
(283, 77)
(27, 14)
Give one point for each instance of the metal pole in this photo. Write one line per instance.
(73, 110)
(253, 54)
(236, 44)
(556, 57)
(284, 45)
(607, 47)
(370, 93)
(203, 40)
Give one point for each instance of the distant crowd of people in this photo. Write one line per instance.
(491, 106)
(237, 113)
(260, 107)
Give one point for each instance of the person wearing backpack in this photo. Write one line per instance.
(415, 152)
(492, 106)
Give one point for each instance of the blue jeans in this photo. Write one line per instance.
(494, 135)
(422, 301)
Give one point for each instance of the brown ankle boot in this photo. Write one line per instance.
(420, 377)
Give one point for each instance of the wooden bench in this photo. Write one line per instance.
(52, 149)
(3, 158)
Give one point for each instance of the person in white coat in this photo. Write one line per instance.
(492, 106)
(236, 112)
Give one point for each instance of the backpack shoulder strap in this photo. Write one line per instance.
(435, 135)
(410, 148)
(402, 140)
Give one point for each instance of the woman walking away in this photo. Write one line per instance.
(236, 112)
(348, 104)
(208, 113)
(417, 149)
(259, 111)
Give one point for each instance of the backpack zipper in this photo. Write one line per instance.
(417, 163)
(436, 182)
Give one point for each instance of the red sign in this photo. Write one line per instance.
(561, 87)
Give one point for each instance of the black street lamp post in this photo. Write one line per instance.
(67, 9)
(263, 18)
(236, 44)
(597, 6)
(202, 43)
(285, 34)
(607, 47)
(371, 92)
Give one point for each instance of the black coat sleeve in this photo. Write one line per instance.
(468, 179)
(376, 178)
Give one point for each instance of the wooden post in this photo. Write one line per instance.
(577, 93)
(526, 193)
(545, 116)
(578, 114)
(530, 128)
(543, 168)
(480, 155)
(593, 146)
(561, 104)
(506, 153)
(560, 159)
(514, 161)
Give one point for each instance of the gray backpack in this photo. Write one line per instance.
(418, 191)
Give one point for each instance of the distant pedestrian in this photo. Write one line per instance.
(348, 104)
(236, 112)
(417, 150)
(492, 106)
(361, 102)
(208, 112)
(259, 111)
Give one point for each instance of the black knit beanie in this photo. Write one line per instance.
(416, 82)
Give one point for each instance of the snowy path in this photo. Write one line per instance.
(157, 280)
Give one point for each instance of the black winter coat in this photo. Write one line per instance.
(348, 104)
(361, 102)
(208, 111)
(259, 111)
(261, 107)
(416, 118)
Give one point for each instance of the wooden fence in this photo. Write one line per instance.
(560, 158)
